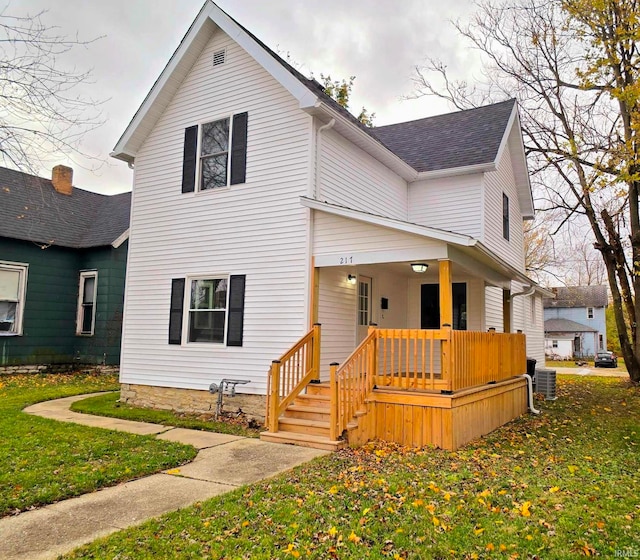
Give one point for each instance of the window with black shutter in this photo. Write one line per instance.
(175, 311)
(505, 216)
(215, 154)
(214, 311)
(235, 325)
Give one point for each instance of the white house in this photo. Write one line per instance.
(261, 207)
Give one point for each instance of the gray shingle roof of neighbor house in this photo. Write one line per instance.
(578, 296)
(565, 326)
(461, 139)
(32, 210)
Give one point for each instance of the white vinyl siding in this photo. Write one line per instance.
(449, 203)
(496, 184)
(257, 228)
(335, 235)
(494, 317)
(337, 314)
(350, 177)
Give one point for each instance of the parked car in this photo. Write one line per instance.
(605, 359)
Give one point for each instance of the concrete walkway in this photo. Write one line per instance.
(223, 463)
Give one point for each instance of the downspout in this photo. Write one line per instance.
(319, 132)
(530, 393)
(532, 408)
(528, 292)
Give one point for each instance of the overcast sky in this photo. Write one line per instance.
(378, 41)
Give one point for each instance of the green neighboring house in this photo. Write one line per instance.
(63, 255)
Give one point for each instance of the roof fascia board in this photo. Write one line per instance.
(513, 125)
(355, 134)
(453, 171)
(122, 150)
(210, 11)
(120, 239)
(389, 223)
(301, 92)
(505, 136)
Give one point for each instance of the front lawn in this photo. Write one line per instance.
(44, 461)
(108, 405)
(560, 485)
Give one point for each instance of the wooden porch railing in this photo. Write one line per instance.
(438, 359)
(352, 383)
(483, 357)
(414, 358)
(290, 374)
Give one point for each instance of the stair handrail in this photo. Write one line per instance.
(352, 383)
(291, 373)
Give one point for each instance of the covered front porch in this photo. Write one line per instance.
(423, 337)
(429, 374)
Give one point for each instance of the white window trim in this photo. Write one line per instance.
(186, 307)
(198, 186)
(590, 313)
(23, 269)
(79, 314)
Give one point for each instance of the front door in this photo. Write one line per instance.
(364, 307)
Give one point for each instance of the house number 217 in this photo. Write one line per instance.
(346, 260)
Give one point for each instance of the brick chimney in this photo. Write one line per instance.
(62, 179)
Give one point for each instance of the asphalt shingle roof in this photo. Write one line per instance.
(565, 325)
(445, 141)
(578, 296)
(32, 210)
(460, 139)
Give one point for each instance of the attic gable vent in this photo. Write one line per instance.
(219, 57)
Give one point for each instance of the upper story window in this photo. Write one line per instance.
(13, 284)
(215, 154)
(88, 289)
(589, 312)
(505, 216)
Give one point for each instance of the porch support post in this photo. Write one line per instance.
(506, 311)
(333, 384)
(314, 288)
(274, 397)
(316, 350)
(446, 293)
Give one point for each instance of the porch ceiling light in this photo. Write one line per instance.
(351, 279)
(419, 267)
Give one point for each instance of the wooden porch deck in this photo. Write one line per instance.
(437, 387)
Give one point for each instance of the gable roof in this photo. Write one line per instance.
(384, 143)
(578, 296)
(32, 210)
(462, 139)
(565, 326)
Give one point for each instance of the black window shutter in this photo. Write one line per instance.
(236, 310)
(175, 312)
(239, 149)
(189, 159)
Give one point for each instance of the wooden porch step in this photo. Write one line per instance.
(305, 399)
(308, 412)
(319, 389)
(302, 426)
(303, 440)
